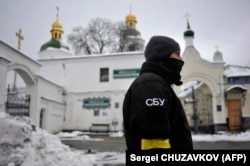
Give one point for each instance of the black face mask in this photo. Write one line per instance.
(175, 66)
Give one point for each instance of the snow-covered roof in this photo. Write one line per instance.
(236, 86)
(186, 89)
(19, 54)
(236, 71)
(132, 53)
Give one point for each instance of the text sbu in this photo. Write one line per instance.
(155, 102)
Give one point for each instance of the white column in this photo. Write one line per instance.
(34, 109)
(4, 62)
(215, 116)
(223, 107)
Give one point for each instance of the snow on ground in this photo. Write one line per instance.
(21, 143)
(220, 136)
(84, 136)
(223, 136)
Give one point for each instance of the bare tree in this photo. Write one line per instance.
(79, 39)
(99, 37)
(103, 36)
(120, 29)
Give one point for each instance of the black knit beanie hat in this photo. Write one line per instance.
(160, 48)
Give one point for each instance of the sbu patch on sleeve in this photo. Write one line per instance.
(155, 102)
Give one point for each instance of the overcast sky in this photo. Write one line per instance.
(224, 23)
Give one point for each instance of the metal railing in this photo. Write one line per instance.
(18, 103)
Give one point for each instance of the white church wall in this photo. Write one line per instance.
(54, 71)
(53, 116)
(17, 57)
(81, 118)
(81, 78)
(51, 101)
(4, 62)
(50, 90)
(51, 53)
(82, 73)
(246, 106)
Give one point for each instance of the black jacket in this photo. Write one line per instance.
(151, 110)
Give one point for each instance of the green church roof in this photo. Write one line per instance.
(131, 32)
(53, 43)
(188, 32)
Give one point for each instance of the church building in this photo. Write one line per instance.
(62, 91)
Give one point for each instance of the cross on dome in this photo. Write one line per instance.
(57, 13)
(187, 16)
(130, 18)
(20, 37)
(188, 32)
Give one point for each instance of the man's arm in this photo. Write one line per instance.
(150, 111)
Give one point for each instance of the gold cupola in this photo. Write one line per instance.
(57, 28)
(56, 36)
(131, 19)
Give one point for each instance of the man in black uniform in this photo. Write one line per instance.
(153, 115)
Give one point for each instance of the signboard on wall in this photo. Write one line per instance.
(126, 73)
(94, 103)
(239, 80)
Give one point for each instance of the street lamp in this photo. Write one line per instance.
(194, 116)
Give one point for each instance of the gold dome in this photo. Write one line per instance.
(56, 36)
(131, 17)
(57, 28)
(56, 25)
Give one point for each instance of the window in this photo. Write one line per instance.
(96, 112)
(116, 105)
(104, 113)
(104, 74)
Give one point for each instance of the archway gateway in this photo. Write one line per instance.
(196, 98)
(18, 98)
(13, 101)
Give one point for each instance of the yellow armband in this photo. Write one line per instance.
(147, 144)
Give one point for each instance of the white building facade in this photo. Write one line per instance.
(94, 87)
(86, 92)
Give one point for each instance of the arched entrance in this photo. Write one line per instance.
(13, 60)
(196, 98)
(20, 90)
(203, 101)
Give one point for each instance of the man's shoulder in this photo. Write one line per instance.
(148, 77)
